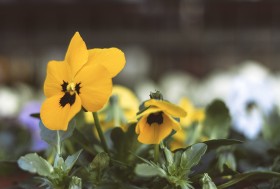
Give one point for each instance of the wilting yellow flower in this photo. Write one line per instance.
(120, 110)
(195, 115)
(157, 122)
(82, 79)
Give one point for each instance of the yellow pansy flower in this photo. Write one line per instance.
(119, 111)
(157, 122)
(82, 79)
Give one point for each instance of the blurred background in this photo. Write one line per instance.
(227, 49)
(158, 36)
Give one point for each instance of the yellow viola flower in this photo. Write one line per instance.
(82, 79)
(157, 122)
(119, 111)
(128, 102)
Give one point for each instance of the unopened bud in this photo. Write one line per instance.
(207, 182)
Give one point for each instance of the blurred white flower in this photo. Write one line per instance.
(216, 86)
(250, 98)
(26, 92)
(9, 101)
(175, 85)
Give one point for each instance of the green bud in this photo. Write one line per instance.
(156, 95)
(207, 182)
(76, 183)
(59, 163)
(226, 157)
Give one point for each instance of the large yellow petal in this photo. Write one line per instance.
(56, 117)
(167, 107)
(77, 54)
(57, 72)
(96, 86)
(112, 58)
(152, 134)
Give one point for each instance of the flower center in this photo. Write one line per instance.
(70, 90)
(155, 118)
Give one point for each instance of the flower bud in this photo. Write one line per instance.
(207, 182)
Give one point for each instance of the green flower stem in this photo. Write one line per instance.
(58, 145)
(100, 132)
(156, 153)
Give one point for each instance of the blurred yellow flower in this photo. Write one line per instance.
(82, 79)
(157, 122)
(120, 110)
(194, 115)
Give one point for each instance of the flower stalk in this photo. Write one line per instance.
(100, 132)
(156, 153)
(58, 145)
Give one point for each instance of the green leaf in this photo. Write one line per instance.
(177, 157)
(35, 115)
(192, 155)
(50, 136)
(117, 134)
(127, 145)
(35, 164)
(146, 170)
(71, 160)
(249, 176)
(271, 127)
(216, 143)
(168, 155)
